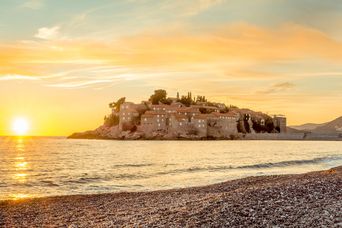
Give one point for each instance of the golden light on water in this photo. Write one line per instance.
(19, 196)
(21, 165)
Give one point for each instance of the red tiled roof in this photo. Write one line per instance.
(130, 110)
(187, 109)
(201, 116)
(160, 106)
(228, 114)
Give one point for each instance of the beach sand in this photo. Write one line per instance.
(306, 200)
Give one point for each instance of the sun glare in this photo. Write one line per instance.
(20, 126)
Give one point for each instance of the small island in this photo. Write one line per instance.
(182, 117)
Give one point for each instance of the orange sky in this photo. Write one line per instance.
(61, 73)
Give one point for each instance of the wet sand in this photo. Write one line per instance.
(304, 200)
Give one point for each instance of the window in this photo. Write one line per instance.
(158, 125)
(157, 115)
(123, 118)
(199, 125)
(145, 119)
(180, 124)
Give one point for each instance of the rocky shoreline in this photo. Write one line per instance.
(112, 133)
(304, 200)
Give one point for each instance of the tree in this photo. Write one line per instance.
(201, 99)
(167, 101)
(186, 100)
(116, 105)
(158, 96)
(111, 120)
(225, 110)
(269, 125)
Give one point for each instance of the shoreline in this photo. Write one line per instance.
(310, 199)
(238, 137)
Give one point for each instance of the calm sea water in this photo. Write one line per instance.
(35, 167)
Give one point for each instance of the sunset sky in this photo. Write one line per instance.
(62, 62)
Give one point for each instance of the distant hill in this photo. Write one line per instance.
(293, 130)
(307, 126)
(332, 127)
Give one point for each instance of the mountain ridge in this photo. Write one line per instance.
(331, 127)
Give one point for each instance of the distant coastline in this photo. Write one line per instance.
(262, 136)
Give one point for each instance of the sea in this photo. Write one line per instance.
(51, 166)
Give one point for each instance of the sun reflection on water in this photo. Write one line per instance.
(19, 196)
(21, 165)
(20, 146)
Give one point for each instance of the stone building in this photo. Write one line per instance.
(177, 120)
(222, 124)
(180, 124)
(128, 114)
(152, 121)
(279, 122)
(200, 123)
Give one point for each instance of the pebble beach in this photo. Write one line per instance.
(303, 200)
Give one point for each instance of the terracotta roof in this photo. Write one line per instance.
(217, 114)
(154, 113)
(130, 110)
(187, 109)
(180, 116)
(148, 116)
(207, 107)
(159, 106)
(202, 116)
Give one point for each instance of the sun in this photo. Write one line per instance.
(20, 126)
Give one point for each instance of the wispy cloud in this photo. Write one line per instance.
(199, 6)
(48, 33)
(33, 4)
(17, 77)
(279, 87)
(229, 54)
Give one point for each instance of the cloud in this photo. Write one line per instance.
(279, 87)
(17, 77)
(33, 4)
(224, 55)
(47, 33)
(198, 6)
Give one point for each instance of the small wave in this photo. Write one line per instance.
(49, 183)
(254, 166)
(291, 163)
(83, 180)
(131, 165)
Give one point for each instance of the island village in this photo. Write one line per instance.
(182, 117)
